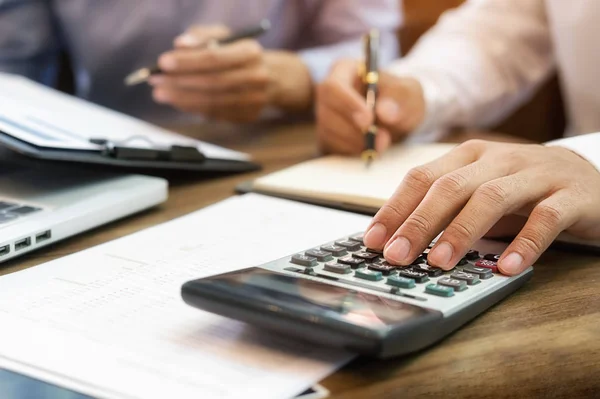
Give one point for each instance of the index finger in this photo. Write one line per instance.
(412, 191)
(339, 92)
(201, 35)
(211, 59)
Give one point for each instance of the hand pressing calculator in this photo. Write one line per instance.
(345, 295)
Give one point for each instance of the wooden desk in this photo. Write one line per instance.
(542, 342)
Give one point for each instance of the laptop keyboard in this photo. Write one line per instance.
(10, 211)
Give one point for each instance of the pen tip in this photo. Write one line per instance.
(137, 77)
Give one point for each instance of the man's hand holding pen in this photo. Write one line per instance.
(343, 115)
(234, 81)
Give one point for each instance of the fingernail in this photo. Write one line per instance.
(375, 237)
(388, 110)
(156, 80)
(187, 40)
(512, 264)
(441, 254)
(160, 96)
(398, 250)
(167, 62)
(361, 119)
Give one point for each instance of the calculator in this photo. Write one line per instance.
(345, 295)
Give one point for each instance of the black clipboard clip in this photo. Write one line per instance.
(175, 153)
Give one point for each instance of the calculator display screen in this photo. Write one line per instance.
(319, 299)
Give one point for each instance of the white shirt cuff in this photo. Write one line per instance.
(432, 124)
(586, 145)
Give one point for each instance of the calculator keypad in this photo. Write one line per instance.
(339, 268)
(368, 274)
(487, 264)
(304, 260)
(351, 261)
(366, 256)
(322, 256)
(348, 244)
(471, 279)
(335, 250)
(457, 285)
(348, 261)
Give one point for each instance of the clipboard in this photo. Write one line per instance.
(45, 124)
(175, 158)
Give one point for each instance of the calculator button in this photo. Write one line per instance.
(470, 278)
(401, 282)
(439, 290)
(482, 272)
(358, 239)
(382, 267)
(367, 274)
(367, 256)
(430, 270)
(472, 255)
(492, 257)
(335, 250)
(355, 263)
(322, 256)
(349, 245)
(488, 264)
(420, 259)
(303, 260)
(419, 277)
(457, 285)
(462, 262)
(375, 251)
(338, 268)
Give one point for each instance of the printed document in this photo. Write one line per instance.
(109, 321)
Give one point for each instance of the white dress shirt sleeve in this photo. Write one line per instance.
(586, 145)
(28, 43)
(480, 61)
(338, 29)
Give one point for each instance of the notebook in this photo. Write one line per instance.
(345, 182)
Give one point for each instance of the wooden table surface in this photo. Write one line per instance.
(543, 341)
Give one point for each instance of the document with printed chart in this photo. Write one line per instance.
(110, 322)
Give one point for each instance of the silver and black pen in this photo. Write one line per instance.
(142, 75)
(370, 81)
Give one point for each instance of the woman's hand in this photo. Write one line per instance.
(469, 190)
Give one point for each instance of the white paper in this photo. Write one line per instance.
(49, 118)
(109, 321)
(345, 179)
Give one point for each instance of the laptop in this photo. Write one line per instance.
(40, 205)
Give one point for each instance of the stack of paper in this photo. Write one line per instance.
(110, 322)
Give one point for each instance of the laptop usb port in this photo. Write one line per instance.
(43, 236)
(4, 250)
(24, 243)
